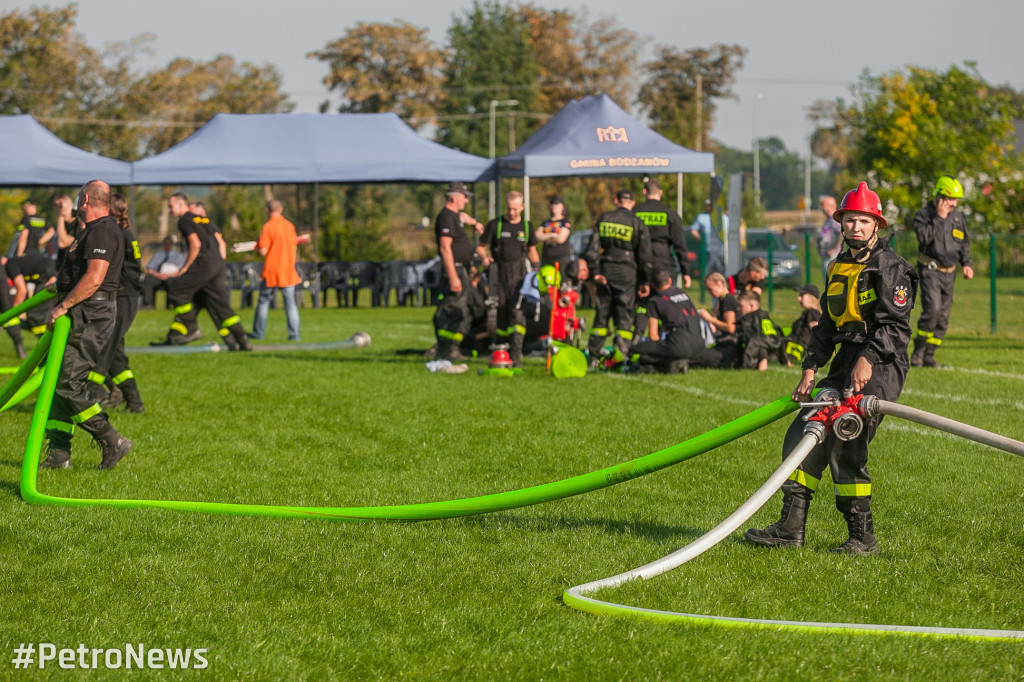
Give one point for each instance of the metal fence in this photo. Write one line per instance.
(998, 258)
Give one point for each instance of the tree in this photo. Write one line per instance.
(187, 93)
(906, 128)
(609, 53)
(491, 59)
(669, 91)
(46, 69)
(379, 67)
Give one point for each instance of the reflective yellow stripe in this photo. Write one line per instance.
(519, 329)
(13, 322)
(445, 334)
(123, 377)
(853, 490)
(641, 311)
(231, 321)
(182, 309)
(934, 340)
(97, 378)
(87, 414)
(40, 329)
(224, 332)
(927, 335)
(502, 332)
(624, 334)
(54, 425)
(804, 479)
(179, 327)
(599, 331)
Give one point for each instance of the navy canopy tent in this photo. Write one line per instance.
(594, 136)
(238, 149)
(32, 155)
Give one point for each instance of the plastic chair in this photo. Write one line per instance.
(334, 275)
(430, 274)
(364, 274)
(309, 280)
(398, 276)
(252, 277)
(409, 285)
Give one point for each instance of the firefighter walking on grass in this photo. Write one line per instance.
(619, 256)
(943, 243)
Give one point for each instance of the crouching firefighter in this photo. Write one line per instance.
(868, 301)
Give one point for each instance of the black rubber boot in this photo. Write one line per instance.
(861, 528)
(516, 349)
(58, 457)
(788, 531)
(130, 390)
(929, 357)
(917, 357)
(241, 339)
(678, 367)
(115, 399)
(115, 446)
(14, 332)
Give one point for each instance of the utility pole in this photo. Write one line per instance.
(757, 156)
(700, 113)
(492, 185)
(807, 181)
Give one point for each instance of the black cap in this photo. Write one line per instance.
(624, 194)
(459, 187)
(556, 200)
(809, 289)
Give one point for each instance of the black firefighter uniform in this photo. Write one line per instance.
(867, 308)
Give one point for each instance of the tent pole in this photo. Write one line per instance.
(131, 206)
(316, 222)
(679, 194)
(526, 194)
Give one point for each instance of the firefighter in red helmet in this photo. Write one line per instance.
(867, 316)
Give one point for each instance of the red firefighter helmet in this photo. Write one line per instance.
(500, 359)
(862, 200)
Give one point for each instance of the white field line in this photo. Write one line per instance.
(692, 390)
(795, 371)
(950, 397)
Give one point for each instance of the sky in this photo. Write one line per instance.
(799, 51)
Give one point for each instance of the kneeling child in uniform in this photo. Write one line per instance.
(758, 335)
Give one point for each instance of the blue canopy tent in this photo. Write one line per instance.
(594, 136)
(248, 149)
(32, 155)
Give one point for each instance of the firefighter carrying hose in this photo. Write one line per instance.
(867, 304)
(943, 242)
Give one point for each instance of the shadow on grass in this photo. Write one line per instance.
(649, 531)
(14, 489)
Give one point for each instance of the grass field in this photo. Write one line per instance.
(479, 598)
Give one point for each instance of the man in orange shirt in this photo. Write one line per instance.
(277, 244)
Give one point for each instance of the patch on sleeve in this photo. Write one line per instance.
(900, 297)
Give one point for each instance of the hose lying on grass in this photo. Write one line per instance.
(430, 510)
(574, 596)
(868, 407)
